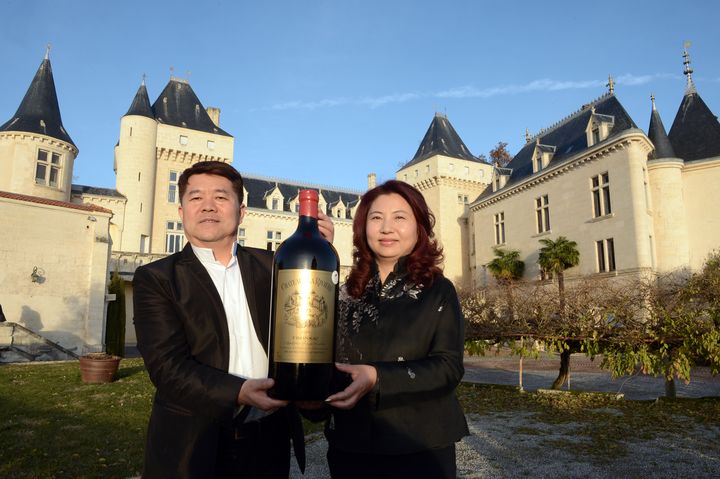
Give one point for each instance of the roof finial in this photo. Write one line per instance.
(611, 85)
(527, 135)
(47, 52)
(688, 71)
(652, 99)
(172, 73)
(143, 79)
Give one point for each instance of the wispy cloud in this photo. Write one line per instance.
(469, 91)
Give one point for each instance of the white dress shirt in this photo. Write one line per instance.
(247, 356)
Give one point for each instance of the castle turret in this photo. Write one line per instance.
(36, 153)
(665, 174)
(135, 169)
(450, 178)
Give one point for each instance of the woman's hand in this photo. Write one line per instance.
(326, 227)
(363, 377)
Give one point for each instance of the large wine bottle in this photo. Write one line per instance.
(304, 295)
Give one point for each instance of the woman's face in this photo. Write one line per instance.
(391, 228)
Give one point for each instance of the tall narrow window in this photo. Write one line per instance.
(172, 188)
(174, 237)
(605, 251)
(500, 228)
(47, 168)
(241, 236)
(542, 212)
(596, 135)
(601, 195)
(275, 204)
(273, 240)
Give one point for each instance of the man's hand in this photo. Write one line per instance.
(364, 378)
(325, 224)
(254, 393)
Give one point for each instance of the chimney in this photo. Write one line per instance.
(371, 181)
(214, 115)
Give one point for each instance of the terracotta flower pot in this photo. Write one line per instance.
(98, 367)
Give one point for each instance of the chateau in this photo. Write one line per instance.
(635, 202)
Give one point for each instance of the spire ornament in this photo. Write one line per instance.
(611, 85)
(47, 51)
(688, 71)
(527, 135)
(652, 99)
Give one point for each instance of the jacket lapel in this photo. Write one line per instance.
(252, 280)
(206, 296)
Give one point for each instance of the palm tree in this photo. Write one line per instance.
(555, 257)
(506, 268)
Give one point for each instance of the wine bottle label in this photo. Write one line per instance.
(304, 316)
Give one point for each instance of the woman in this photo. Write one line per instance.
(401, 331)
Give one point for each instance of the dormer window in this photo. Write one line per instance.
(502, 175)
(274, 199)
(599, 127)
(542, 156)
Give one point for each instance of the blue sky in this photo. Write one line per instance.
(328, 91)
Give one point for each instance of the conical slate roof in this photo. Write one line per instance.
(695, 132)
(179, 106)
(657, 134)
(39, 111)
(141, 103)
(441, 139)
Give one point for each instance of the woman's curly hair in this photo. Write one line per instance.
(423, 263)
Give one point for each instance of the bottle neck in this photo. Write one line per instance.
(309, 208)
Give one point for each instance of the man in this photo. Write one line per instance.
(202, 324)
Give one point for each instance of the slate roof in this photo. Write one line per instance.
(94, 190)
(258, 188)
(441, 139)
(568, 137)
(695, 132)
(141, 103)
(179, 106)
(658, 136)
(39, 111)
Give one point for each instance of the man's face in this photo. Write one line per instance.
(210, 211)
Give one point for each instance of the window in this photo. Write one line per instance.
(605, 250)
(601, 195)
(144, 242)
(173, 188)
(174, 237)
(416, 173)
(596, 135)
(211, 145)
(273, 240)
(542, 211)
(452, 166)
(537, 163)
(500, 228)
(427, 169)
(241, 236)
(183, 140)
(467, 171)
(462, 198)
(47, 169)
(275, 203)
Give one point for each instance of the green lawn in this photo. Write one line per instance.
(53, 425)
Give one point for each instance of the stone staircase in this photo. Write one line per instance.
(20, 344)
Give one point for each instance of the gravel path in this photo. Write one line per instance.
(496, 450)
